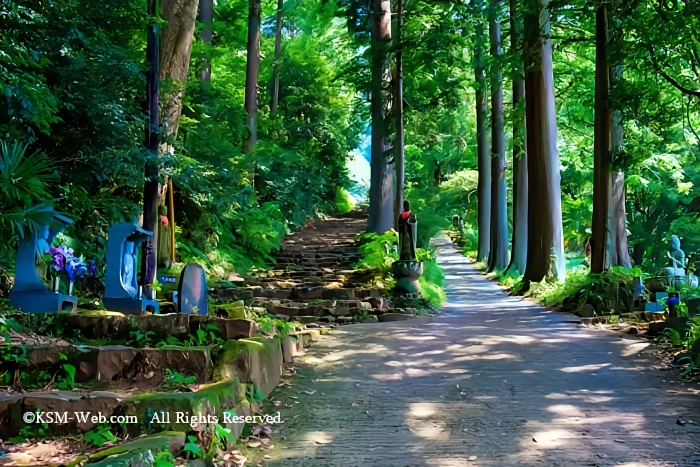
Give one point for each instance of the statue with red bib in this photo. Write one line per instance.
(408, 229)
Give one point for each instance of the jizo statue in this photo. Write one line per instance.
(408, 230)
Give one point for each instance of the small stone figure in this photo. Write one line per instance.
(128, 269)
(677, 257)
(407, 270)
(408, 229)
(165, 244)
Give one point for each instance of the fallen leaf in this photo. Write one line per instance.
(322, 441)
(619, 441)
(309, 392)
(254, 444)
(267, 456)
(472, 458)
(534, 439)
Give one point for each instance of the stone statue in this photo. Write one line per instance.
(128, 269)
(677, 257)
(673, 275)
(407, 270)
(408, 229)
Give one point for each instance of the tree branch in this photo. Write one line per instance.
(669, 78)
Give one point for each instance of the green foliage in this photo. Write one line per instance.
(673, 336)
(343, 201)
(270, 324)
(192, 449)
(175, 379)
(377, 254)
(610, 290)
(431, 281)
(100, 436)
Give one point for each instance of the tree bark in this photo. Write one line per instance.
(381, 193)
(545, 253)
(399, 156)
(482, 142)
(617, 216)
(252, 73)
(206, 16)
(602, 182)
(276, 65)
(175, 48)
(518, 255)
(498, 255)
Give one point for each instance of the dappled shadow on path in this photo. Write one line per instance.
(495, 380)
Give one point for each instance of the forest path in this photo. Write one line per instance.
(492, 381)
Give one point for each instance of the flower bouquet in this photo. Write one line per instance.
(66, 265)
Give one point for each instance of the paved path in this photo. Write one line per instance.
(493, 381)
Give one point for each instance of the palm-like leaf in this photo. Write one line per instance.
(23, 189)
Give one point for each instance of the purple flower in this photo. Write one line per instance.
(91, 267)
(62, 249)
(58, 261)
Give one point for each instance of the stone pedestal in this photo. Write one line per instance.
(407, 274)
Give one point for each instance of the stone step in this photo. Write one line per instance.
(120, 363)
(240, 365)
(123, 328)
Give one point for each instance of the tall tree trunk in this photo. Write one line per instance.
(399, 160)
(150, 188)
(498, 256)
(518, 255)
(175, 48)
(482, 141)
(617, 215)
(276, 65)
(206, 16)
(381, 193)
(252, 73)
(602, 159)
(545, 253)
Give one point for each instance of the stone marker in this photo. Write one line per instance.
(192, 290)
(31, 291)
(122, 291)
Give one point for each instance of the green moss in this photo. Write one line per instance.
(235, 310)
(140, 451)
(158, 410)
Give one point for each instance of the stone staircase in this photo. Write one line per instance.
(313, 280)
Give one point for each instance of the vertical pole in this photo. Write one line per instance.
(150, 189)
(171, 212)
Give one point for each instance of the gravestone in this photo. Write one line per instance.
(32, 291)
(192, 290)
(455, 221)
(122, 290)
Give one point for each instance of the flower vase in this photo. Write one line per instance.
(56, 284)
(70, 287)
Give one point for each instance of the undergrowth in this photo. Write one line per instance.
(378, 253)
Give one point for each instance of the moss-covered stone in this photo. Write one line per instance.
(184, 411)
(234, 310)
(139, 453)
(256, 360)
